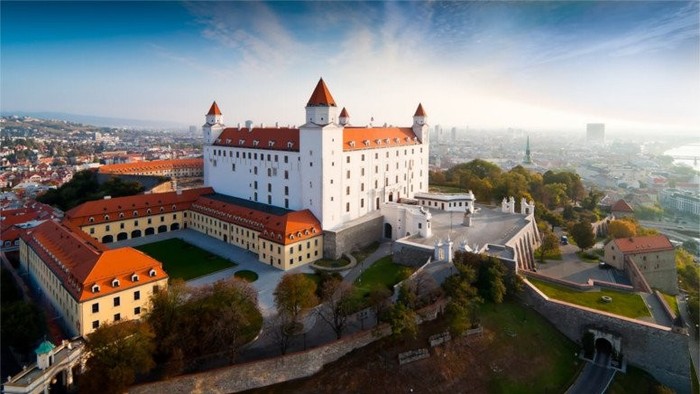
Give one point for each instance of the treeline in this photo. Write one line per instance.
(85, 187)
(560, 196)
(185, 329)
(23, 323)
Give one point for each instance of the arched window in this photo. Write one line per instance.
(95, 288)
(115, 282)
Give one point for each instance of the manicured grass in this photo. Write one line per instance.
(672, 303)
(246, 275)
(523, 336)
(633, 382)
(182, 260)
(328, 263)
(383, 272)
(624, 304)
(588, 257)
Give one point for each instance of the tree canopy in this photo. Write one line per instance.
(85, 187)
(582, 233)
(294, 293)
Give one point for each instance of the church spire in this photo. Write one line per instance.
(527, 159)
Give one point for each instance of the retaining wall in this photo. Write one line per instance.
(656, 349)
(345, 240)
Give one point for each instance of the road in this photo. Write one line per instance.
(594, 378)
(693, 343)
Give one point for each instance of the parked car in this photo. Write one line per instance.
(564, 240)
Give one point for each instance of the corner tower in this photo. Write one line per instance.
(321, 108)
(213, 125)
(420, 124)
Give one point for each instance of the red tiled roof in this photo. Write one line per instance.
(285, 229)
(269, 138)
(344, 113)
(156, 165)
(214, 110)
(170, 201)
(621, 206)
(649, 243)
(80, 262)
(321, 97)
(356, 138)
(420, 111)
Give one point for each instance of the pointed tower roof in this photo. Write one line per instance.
(344, 113)
(420, 111)
(321, 97)
(44, 347)
(214, 110)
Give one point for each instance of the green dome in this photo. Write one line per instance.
(44, 347)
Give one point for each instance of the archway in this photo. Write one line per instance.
(136, 234)
(107, 239)
(150, 231)
(225, 238)
(387, 230)
(57, 384)
(122, 236)
(162, 229)
(603, 351)
(174, 226)
(391, 196)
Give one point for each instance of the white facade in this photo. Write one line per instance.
(338, 172)
(406, 220)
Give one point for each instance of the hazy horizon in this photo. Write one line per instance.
(541, 65)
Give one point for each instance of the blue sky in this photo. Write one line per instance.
(537, 65)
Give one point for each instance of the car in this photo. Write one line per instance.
(564, 240)
(603, 265)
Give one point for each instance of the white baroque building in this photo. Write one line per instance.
(340, 172)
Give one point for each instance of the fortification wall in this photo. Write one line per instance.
(656, 349)
(335, 243)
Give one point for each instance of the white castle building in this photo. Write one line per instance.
(340, 172)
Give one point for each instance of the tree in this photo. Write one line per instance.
(622, 229)
(591, 201)
(338, 303)
(118, 353)
(582, 233)
(378, 300)
(294, 293)
(550, 243)
(23, 324)
(403, 321)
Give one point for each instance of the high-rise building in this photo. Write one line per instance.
(595, 132)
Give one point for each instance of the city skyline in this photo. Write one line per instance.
(546, 65)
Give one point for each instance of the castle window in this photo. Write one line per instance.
(366, 142)
(136, 213)
(241, 142)
(106, 217)
(290, 144)
(134, 278)
(270, 143)
(115, 283)
(148, 211)
(347, 207)
(352, 144)
(121, 215)
(91, 220)
(255, 142)
(347, 159)
(95, 288)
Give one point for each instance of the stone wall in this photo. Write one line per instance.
(636, 277)
(345, 240)
(255, 374)
(656, 349)
(410, 255)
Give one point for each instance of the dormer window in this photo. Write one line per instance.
(134, 278)
(352, 144)
(152, 272)
(241, 142)
(136, 213)
(291, 236)
(397, 140)
(115, 282)
(290, 144)
(366, 142)
(228, 140)
(121, 215)
(106, 217)
(91, 219)
(95, 288)
(174, 207)
(388, 140)
(270, 143)
(256, 142)
(378, 141)
(162, 209)
(148, 211)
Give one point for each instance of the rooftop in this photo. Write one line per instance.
(649, 243)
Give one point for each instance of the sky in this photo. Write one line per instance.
(534, 65)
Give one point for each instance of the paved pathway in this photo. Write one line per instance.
(693, 343)
(594, 378)
(656, 310)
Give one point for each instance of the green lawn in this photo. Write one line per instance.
(185, 261)
(383, 272)
(624, 304)
(523, 337)
(328, 263)
(246, 275)
(672, 303)
(550, 255)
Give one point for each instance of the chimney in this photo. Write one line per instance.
(239, 126)
(249, 125)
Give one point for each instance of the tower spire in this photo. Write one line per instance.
(527, 159)
(321, 97)
(214, 110)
